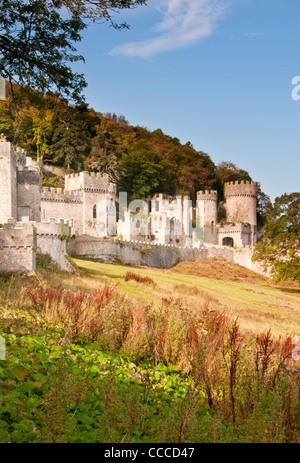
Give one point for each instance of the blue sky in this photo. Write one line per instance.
(217, 73)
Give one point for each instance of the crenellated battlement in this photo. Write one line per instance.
(53, 227)
(90, 182)
(61, 195)
(207, 195)
(242, 188)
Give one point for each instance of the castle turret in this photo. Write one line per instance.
(8, 181)
(207, 215)
(28, 190)
(99, 195)
(241, 204)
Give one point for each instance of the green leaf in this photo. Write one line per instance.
(19, 372)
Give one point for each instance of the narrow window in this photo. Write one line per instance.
(95, 212)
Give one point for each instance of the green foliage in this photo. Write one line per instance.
(140, 162)
(66, 379)
(36, 45)
(37, 40)
(280, 242)
(227, 171)
(71, 139)
(147, 172)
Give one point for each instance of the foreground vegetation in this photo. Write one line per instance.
(97, 365)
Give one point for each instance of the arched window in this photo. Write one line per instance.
(95, 212)
(212, 227)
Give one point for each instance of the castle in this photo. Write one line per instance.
(33, 220)
(164, 219)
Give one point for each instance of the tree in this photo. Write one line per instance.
(279, 247)
(103, 156)
(262, 200)
(145, 172)
(195, 176)
(71, 138)
(37, 39)
(42, 128)
(227, 171)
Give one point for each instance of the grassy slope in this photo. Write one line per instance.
(258, 303)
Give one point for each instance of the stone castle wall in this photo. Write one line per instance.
(157, 255)
(243, 257)
(63, 204)
(98, 183)
(19, 242)
(143, 253)
(18, 247)
(52, 239)
(239, 232)
(29, 194)
(8, 182)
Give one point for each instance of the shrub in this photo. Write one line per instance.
(138, 278)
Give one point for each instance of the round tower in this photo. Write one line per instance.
(207, 214)
(241, 202)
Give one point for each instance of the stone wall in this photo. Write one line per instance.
(239, 232)
(8, 182)
(89, 181)
(29, 194)
(143, 253)
(63, 204)
(54, 170)
(52, 239)
(157, 255)
(17, 247)
(243, 257)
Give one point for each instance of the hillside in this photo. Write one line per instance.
(141, 162)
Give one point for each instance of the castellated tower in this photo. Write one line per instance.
(98, 197)
(207, 215)
(241, 202)
(241, 205)
(28, 188)
(20, 185)
(8, 182)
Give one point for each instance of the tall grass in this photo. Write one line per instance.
(251, 383)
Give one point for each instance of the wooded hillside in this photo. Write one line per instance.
(77, 138)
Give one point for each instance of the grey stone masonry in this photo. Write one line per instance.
(18, 242)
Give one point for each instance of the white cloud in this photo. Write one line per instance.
(254, 34)
(184, 23)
